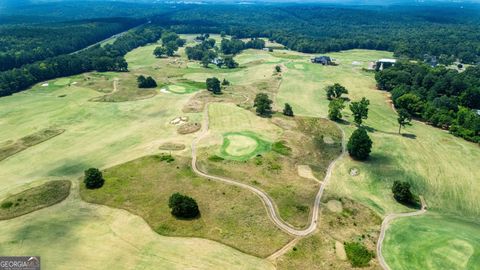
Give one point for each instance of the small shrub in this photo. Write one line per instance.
(167, 158)
(281, 148)
(6, 205)
(358, 254)
(215, 158)
(302, 208)
(93, 178)
(183, 206)
(401, 193)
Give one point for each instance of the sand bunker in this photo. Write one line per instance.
(187, 128)
(335, 206)
(179, 120)
(163, 90)
(354, 172)
(170, 146)
(340, 251)
(328, 140)
(45, 85)
(306, 172)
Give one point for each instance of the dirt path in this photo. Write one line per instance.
(386, 223)
(268, 202)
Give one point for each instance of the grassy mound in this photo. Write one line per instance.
(34, 199)
(186, 87)
(242, 146)
(10, 149)
(230, 215)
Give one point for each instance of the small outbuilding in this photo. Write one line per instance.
(384, 63)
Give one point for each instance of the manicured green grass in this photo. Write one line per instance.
(432, 242)
(242, 145)
(34, 199)
(228, 214)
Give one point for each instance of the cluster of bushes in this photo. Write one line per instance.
(183, 206)
(146, 82)
(358, 254)
(442, 97)
(107, 58)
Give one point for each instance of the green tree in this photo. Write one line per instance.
(360, 110)
(287, 110)
(93, 178)
(171, 47)
(213, 85)
(205, 61)
(223, 34)
(335, 108)
(160, 51)
(410, 102)
(183, 206)
(263, 105)
(229, 62)
(401, 192)
(225, 82)
(359, 145)
(404, 119)
(335, 91)
(358, 254)
(147, 82)
(278, 68)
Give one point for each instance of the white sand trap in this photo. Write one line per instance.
(306, 172)
(45, 84)
(335, 206)
(328, 140)
(356, 63)
(163, 90)
(340, 251)
(176, 88)
(354, 172)
(298, 66)
(74, 83)
(179, 120)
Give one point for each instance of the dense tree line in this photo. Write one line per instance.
(23, 44)
(107, 58)
(410, 32)
(235, 46)
(443, 97)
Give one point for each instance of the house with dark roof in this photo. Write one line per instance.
(324, 60)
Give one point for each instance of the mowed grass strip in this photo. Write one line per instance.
(432, 241)
(34, 199)
(228, 214)
(10, 149)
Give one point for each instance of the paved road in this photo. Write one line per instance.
(269, 204)
(385, 224)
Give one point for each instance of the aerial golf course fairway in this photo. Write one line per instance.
(116, 136)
